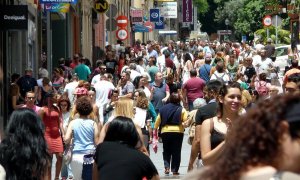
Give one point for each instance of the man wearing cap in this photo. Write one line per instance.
(27, 83)
(204, 71)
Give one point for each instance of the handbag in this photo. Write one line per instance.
(67, 155)
(87, 166)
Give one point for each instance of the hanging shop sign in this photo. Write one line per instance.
(154, 15)
(101, 6)
(160, 24)
(187, 11)
(169, 10)
(57, 7)
(14, 17)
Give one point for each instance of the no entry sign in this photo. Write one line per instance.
(122, 21)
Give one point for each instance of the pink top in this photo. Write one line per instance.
(34, 108)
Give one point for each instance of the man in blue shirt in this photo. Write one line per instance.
(204, 71)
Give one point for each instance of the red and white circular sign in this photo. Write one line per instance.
(122, 21)
(267, 21)
(122, 34)
(149, 25)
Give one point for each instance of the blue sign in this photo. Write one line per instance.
(160, 24)
(58, 1)
(140, 28)
(154, 15)
(244, 38)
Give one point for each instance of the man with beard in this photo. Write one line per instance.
(127, 88)
(211, 92)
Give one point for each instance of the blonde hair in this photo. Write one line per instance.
(124, 107)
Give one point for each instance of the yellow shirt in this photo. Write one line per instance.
(172, 128)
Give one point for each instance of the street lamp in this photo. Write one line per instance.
(227, 23)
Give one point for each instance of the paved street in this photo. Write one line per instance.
(157, 159)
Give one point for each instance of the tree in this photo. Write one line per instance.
(202, 6)
(283, 35)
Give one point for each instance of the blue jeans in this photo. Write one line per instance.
(66, 171)
(191, 106)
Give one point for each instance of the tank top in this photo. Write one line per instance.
(216, 138)
(83, 133)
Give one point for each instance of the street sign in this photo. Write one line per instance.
(267, 21)
(160, 24)
(169, 10)
(112, 11)
(154, 15)
(279, 21)
(136, 12)
(122, 21)
(149, 25)
(101, 6)
(111, 24)
(122, 34)
(135, 20)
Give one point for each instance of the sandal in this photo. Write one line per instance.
(175, 173)
(167, 170)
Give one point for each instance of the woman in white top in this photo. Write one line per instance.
(65, 108)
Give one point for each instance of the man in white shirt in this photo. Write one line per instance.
(103, 89)
(70, 88)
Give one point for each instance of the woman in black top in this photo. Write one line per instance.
(118, 158)
(213, 130)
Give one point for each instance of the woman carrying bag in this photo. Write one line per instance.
(86, 134)
(170, 122)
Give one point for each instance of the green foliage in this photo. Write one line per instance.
(283, 35)
(202, 6)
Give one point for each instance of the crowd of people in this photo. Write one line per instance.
(226, 93)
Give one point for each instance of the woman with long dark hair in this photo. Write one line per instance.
(54, 131)
(213, 130)
(262, 145)
(119, 152)
(23, 151)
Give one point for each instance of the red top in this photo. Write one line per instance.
(51, 121)
(194, 88)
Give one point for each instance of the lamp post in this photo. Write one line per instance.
(227, 23)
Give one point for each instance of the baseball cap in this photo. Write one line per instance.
(199, 102)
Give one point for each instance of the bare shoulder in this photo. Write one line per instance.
(195, 174)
